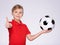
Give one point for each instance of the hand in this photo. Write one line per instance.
(8, 25)
(45, 31)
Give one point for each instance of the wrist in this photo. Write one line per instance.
(42, 32)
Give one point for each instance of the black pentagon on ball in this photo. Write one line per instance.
(41, 27)
(45, 23)
(49, 28)
(47, 16)
(53, 22)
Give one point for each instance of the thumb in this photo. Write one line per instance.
(7, 19)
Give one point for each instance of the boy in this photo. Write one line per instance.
(18, 31)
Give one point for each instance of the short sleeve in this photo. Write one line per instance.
(27, 30)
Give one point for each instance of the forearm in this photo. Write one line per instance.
(32, 37)
(36, 35)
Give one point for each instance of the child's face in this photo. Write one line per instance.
(17, 14)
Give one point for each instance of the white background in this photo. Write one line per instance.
(33, 11)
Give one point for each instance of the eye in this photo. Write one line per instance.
(20, 12)
(15, 11)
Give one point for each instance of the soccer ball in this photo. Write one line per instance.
(47, 23)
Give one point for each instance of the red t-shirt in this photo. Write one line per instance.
(17, 34)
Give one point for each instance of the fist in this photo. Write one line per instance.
(8, 25)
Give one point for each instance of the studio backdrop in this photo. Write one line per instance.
(33, 11)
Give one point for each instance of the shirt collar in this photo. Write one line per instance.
(17, 22)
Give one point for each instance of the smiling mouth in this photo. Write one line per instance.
(18, 16)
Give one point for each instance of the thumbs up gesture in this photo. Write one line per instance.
(8, 25)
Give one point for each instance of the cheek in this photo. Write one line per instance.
(21, 15)
(14, 14)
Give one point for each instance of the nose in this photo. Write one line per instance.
(18, 13)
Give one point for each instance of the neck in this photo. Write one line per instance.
(17, 20)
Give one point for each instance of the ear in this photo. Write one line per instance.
(23, 13)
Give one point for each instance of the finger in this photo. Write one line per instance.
(49, 31)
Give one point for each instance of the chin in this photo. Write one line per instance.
(17, 18)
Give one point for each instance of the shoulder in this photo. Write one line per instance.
(25, 25)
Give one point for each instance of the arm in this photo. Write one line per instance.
(8, 25)
(32, 37)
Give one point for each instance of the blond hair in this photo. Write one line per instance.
(17, 6)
